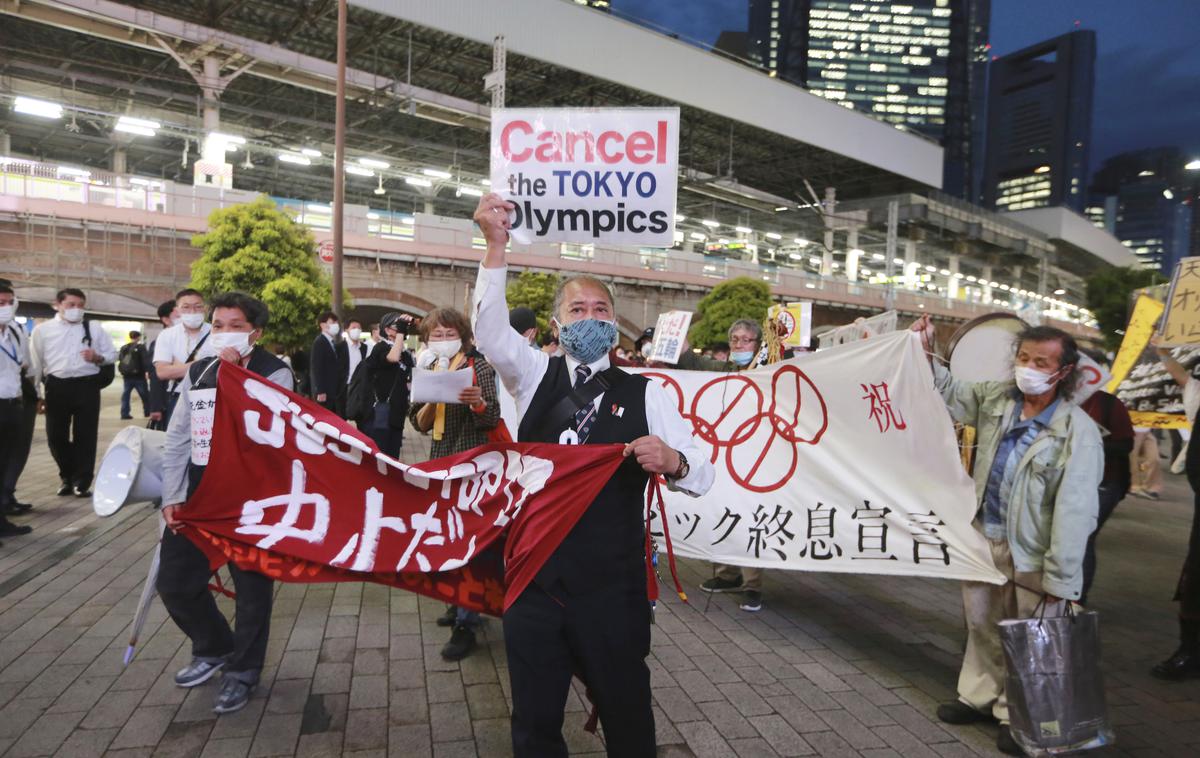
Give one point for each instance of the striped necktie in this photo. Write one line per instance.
(585, 416)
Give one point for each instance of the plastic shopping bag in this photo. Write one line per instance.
(1054, 686)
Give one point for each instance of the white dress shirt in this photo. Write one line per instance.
(522, 369)
(14, 354)
(56, 345)
(356, 357)
(174, 345)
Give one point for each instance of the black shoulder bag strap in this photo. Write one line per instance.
(566, 408)
(174, 387)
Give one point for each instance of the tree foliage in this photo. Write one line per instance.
(536, 292)
(257, 249)
(729, 301)
(1108, 298)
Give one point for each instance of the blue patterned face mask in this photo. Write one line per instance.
(587, 339)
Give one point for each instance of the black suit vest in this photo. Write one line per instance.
(261, 362)
(607, 544)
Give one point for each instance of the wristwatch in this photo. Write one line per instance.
(683, 469)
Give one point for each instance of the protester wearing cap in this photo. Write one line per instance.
(66, 354)
(586, 609)
(238, 321)
(14, 362)
(180, 345)
(1038, 466)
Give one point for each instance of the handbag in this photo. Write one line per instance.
(108, 371)
(1054, 685)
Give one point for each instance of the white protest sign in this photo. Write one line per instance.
(669, 335)
(588, 175)
(861, 329)
(842, 461)
(202, 405)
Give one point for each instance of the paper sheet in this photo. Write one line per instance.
(439, 386)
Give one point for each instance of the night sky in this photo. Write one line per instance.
(1147, 59)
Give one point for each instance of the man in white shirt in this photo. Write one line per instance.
(180, 345)
(66, 353)
(586, 609)
(14, 359)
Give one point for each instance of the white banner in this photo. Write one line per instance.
(844, 460)
(588, 175)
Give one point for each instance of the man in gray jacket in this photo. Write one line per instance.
(1038, 464)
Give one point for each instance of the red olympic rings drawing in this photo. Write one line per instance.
(738, 402)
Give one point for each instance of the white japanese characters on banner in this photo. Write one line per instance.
(844, 460)
(203, 405)
(670, 333)
(588, 175)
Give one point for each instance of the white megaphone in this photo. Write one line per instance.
(131, 471)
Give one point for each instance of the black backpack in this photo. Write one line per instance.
(360, 395)
(129, 362)
(107, 370)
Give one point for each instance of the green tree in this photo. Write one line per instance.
(257, 249)
(1108, 298)
(536, 292)
(729, 301)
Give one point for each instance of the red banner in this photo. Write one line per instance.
(294, 492)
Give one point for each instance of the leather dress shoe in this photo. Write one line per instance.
(1184, 664)
(17, 509)
(81, 492)
(64, 490)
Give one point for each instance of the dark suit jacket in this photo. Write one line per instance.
(327, 367)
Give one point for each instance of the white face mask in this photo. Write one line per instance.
(332, 329)
(239, 341)
(192, 320)
(7, 313)
(73, 315)
(1032, 382)
(446, 348)
(354, 334)
(647, 349)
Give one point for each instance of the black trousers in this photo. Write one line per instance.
(605, 637)
(72, 423)
(183, 575)
(1110, 497)
(14, 446)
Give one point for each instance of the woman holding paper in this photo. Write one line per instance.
(456, 427)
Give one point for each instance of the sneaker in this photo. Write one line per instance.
(959, 712)
(462, 642)
(751, 601)
(717, 584)
(233, 695)
(449, 617)
(79, 491)
(1005, 742)
(197, 672)
(64, 490)
(9, 529)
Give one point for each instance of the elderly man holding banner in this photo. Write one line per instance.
(586, 609)
(1038, 465)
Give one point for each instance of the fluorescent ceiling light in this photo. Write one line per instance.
(359, 171)
(417, 181)
(680, 217)
(486, 182)
(34, 107)
(898, 261)
(229, 139)
(372, 163)
(944, 272)
(318, 208)
(1168, 194)
(931, 269)
(141, 131)
(878, 256)
(1042, 170)
(697, 236)
(781, 208)
(1060, 292)
(710, 223)
(470, 191)
(311, 153)
(801, 242)
(743, 230)
(815, 261)
(144, 123)
(435, 173)
(69, 171)
(774, 236)
(299, 160)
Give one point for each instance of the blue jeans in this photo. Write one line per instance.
(134, 383)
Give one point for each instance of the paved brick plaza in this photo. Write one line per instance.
(833, 666)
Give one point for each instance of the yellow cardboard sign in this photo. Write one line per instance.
(797, 322)
(1152, 420)
(1181, 324)
(1137, 336)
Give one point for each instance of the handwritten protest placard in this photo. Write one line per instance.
(588, 175)
(670, 333)
(1181, 323)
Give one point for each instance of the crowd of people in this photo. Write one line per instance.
(1048, 471)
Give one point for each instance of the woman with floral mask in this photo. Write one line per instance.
(456, 427)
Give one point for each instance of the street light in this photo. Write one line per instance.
(1193, 165)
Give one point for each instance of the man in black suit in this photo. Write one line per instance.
(353, 351)
(327, 366)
